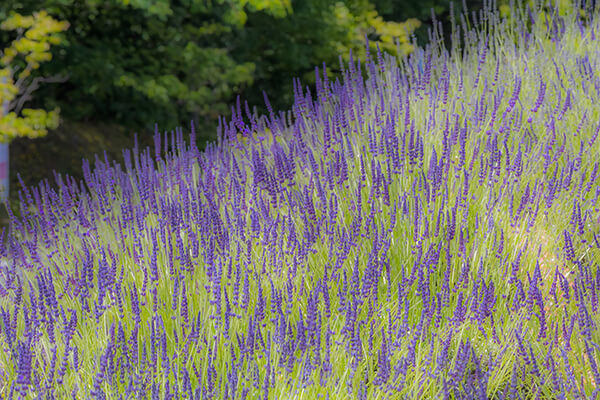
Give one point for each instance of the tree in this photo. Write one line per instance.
(143, 62)
(317, 32)
(35, 34)
(162, 61)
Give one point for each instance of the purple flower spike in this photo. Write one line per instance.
(570, 253)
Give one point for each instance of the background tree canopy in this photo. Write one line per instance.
(132, 64)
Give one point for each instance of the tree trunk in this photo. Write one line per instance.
(4, 175)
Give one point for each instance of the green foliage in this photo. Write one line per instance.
(32, 123)
(141, 62)
(421, 9)
(318, 31)
(35, 34)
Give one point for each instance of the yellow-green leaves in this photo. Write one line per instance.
(35, 36)
(33, 123)
(386, 34)
(389, 32)
(8, 90)
(17, 21)
(237, 13)
(277, 8)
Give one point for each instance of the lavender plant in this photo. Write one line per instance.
(427, 227)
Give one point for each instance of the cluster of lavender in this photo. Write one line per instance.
(425, 228)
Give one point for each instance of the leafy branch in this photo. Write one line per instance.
(35, 34)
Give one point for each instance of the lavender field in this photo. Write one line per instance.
(428, 227)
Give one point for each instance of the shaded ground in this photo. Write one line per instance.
(63, 151)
